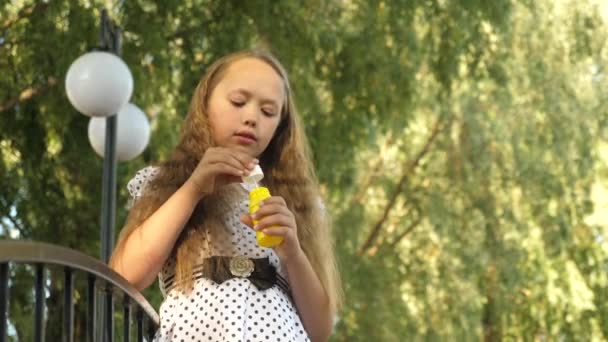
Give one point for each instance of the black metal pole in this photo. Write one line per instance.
(110, 40)
(108, 195)
(4, 274)
(40, 304)
(91, 308)
(140, 325)
(126, 318)
(109, 315)
(68, 305)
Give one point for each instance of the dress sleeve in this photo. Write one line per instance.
(137, 186)
(138, 183)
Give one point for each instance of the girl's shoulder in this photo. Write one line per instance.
(137, 184)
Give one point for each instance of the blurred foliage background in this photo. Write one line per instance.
(462, 148)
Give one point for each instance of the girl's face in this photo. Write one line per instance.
(245, 106)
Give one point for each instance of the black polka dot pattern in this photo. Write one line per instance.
(232, 311)
(137, 184)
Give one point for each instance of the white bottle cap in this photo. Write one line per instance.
(254, 176)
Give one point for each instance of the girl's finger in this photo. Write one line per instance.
(277, 231)
(226, 169)
(224, 158)
(275, 200)
(247, 161)
(274, 220)
(247, 220)
(270, 209)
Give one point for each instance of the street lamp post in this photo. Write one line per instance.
(99, 84)
(110, 38)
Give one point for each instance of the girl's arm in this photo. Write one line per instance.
(310, 297)
(150, 244)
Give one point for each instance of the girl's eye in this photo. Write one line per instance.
(237, 103)
(268, 112)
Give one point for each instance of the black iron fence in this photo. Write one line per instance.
(137, 317)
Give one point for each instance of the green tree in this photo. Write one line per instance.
(457, 143)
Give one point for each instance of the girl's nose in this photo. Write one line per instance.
(250, 122)
(249, 117)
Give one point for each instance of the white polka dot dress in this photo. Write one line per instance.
(235, 310)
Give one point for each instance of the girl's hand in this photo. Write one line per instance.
(220, 166)
(274, 218)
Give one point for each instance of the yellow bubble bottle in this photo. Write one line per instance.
(256, 195)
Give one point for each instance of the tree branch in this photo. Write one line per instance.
(24, 13)
(373, 174)
(373, 235)
(15, 223)
(407, 230)
(28, 93)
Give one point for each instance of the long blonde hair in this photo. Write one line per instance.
(288, 173)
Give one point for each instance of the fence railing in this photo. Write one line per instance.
(101, 282)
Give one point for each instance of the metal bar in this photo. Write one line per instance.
(140, 325)
(108, 187)
(91, 308)
(68, 305)
(3, 300)
(117, 40)
(110, 40)
(108, 195)
(104, 30)
(126, 314)
(30, 252)
(15, 251)
(151, 330)
(109, 315)
(39, 309)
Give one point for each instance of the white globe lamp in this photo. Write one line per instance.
(132, 135)
(99, 84)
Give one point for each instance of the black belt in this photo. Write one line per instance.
(260, 272)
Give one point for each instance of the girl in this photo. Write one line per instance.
(189, 223)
